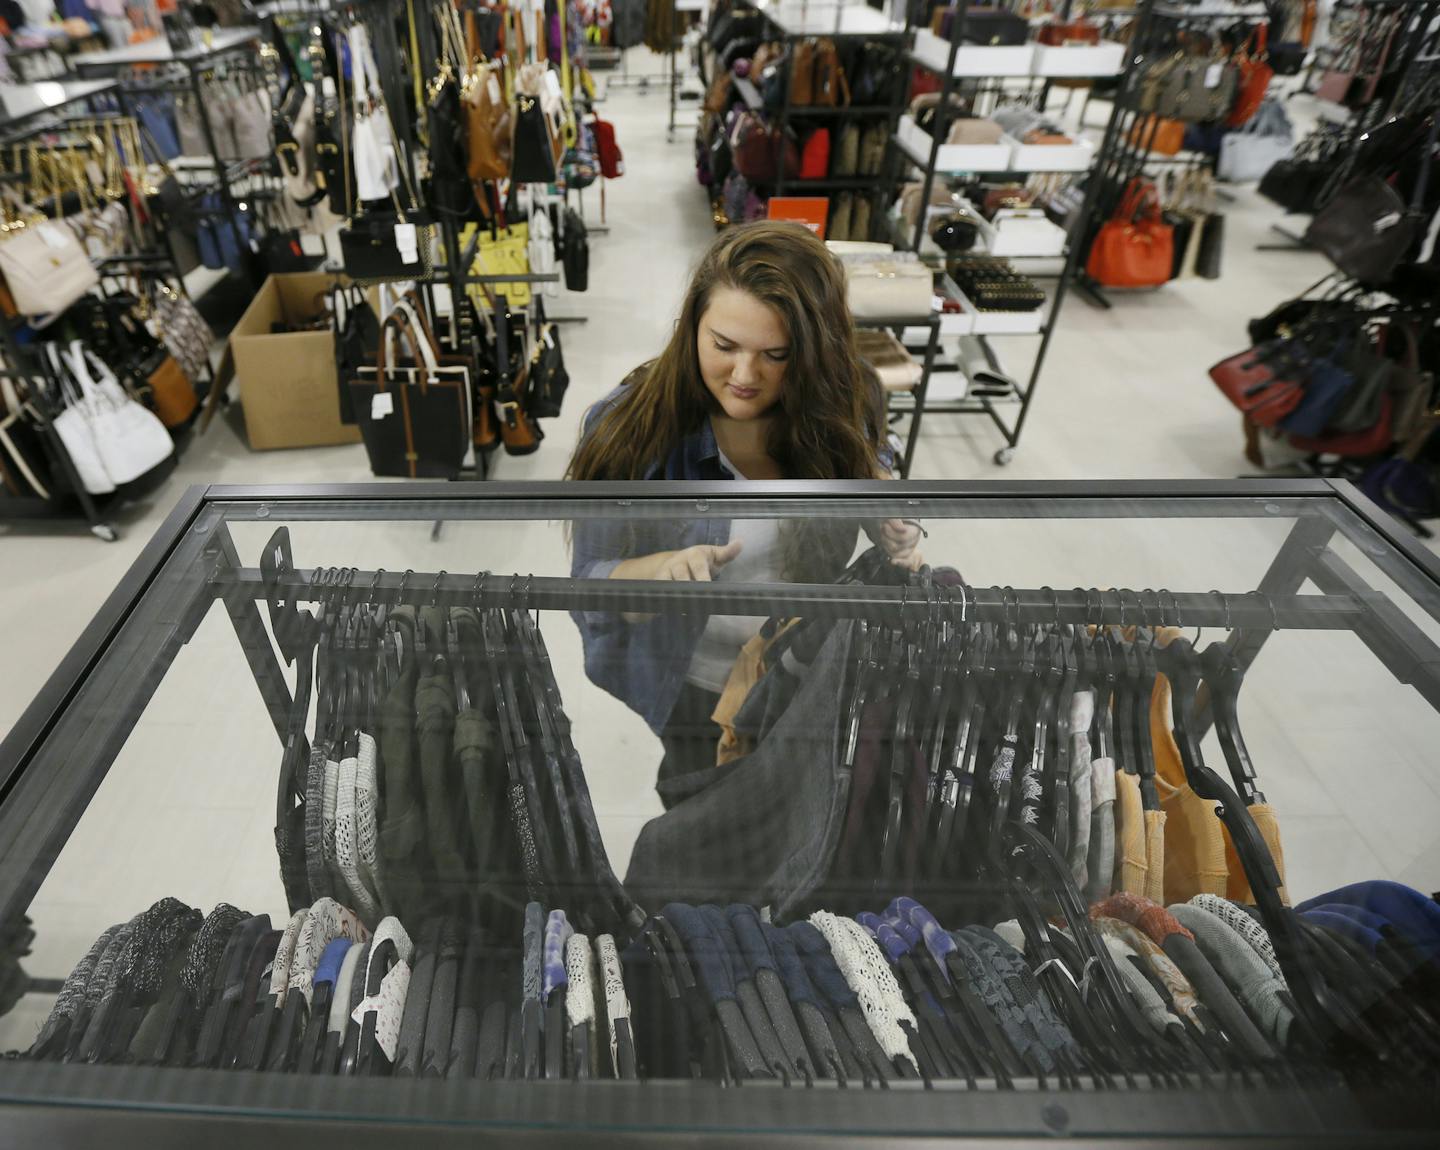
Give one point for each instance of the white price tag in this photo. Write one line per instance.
(407, 244)
(51, 236)
(492, 89)
(552, 85)
(549, 339)
(1213, 74)
(382, 403)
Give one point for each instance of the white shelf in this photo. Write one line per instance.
(916, 143)
(975, 59)
(1026, 233)
(1003, 322)
(1076, 157)
(1106, 58)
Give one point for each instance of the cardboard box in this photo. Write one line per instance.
(288, 388)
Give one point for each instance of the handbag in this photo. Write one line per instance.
(178, 324)
(1162, 136)
(171, 392)
(846, 154)
(488, 127)
(1190, 88)
(532, 157)
(1253, 66)
(1365, 230)
(413, 418)
(46, 268)
(885, 285)
(1296, 183)
(357, 330)
(503, 250)
(815, 155)
(575, 251)
(1249, 153)
(1261, 382)
(1060, 32)
(520, 434)
(372, 137)
(547, 377)
(760, 152)
(992, 26)
(872, 148)
(128, 440)
(393, 245)
(1135, 247)
(612, 160)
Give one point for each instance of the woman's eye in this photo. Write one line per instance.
(724, 347)
(777, 356)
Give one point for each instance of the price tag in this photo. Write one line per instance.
(549, 339)
(52, 238)
(492, 89)
(407, 244)
(552, 85)
(382, 403)
(1213, 74)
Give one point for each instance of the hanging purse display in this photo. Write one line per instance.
(532, 158)
(1135, 247)
(128, 440)
(449, 189)
(1190, 88)
(1265, 383)
(357, 331)
(413, 417)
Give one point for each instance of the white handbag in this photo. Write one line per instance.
(372, 140)
(542, 248)
(888, 286)
(46, 269)
(1250, 152)
(128, 439)
(77, 434)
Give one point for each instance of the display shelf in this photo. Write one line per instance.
(1077, 61)
(973, 61)
(827, 18)
(1003, 322)
(159, 51)
(917, 144)
(22, 102)
(1073, 157)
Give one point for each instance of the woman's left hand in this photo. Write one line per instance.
(901, 540)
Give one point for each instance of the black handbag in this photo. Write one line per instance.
(450, 189)
(533, 158)
(1212, 245)
(282, 253)
(548, 378)
(370, 251)
(992, 26)
(357, 334)
(414, 421)
(575, 252)
(1365, 230)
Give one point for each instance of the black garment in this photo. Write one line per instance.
(689, 738)
(764, 831)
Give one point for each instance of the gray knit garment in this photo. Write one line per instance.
(72, 994)
(1242, 969)
(159, 932)
(208, 946)
(1243, 924)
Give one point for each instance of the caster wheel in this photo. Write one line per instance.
(104, 531)
(1004, 456)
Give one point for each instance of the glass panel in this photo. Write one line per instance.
(588, 712)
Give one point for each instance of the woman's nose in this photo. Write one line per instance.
(744, 370)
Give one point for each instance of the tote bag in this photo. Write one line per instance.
(377, 171)
(128, 439)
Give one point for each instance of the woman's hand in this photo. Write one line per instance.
(901, 540)
(696, 564)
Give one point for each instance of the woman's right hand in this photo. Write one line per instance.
(697, 564)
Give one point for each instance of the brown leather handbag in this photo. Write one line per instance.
(1069, 32)
(172, 393)
(487, 124)
(828, 86)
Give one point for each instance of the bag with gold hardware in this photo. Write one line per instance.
(45, 268)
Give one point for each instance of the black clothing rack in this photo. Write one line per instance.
(114, 670)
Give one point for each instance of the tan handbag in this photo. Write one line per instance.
(45, 268)
(171, 393)
(972, 131)
(487, 115)
(886, 286)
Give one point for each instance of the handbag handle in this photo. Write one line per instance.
(397, 322)
(414, 318)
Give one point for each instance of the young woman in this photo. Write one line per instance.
(761, 380)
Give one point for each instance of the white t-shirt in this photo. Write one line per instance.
(724, 635)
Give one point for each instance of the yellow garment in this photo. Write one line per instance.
(749, 667)
(1155, 856)
(1269, 828)
(1130, 860)
(1194, 836)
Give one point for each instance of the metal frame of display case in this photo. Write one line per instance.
(192, 563)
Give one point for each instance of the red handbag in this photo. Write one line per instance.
(759, 150)
(607, 150)
(1250, 382)
(1135, 247)
(1355, 444)
(1254, 64)
(815, 156)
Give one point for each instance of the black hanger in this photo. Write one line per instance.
(372, 1059)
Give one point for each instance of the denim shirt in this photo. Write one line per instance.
(644, 664)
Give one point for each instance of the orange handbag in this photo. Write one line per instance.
(1134, 247)
(1158, 134)
(1254, 64)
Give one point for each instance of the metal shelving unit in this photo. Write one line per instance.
(952, 79)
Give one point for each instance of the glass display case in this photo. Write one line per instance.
(554, 810)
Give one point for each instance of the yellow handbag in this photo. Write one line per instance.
(501, 252)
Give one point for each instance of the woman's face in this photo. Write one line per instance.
(744, 353)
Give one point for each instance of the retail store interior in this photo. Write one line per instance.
(1222, 237)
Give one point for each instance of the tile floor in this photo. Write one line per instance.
(1345, 753)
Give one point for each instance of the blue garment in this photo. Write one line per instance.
(1343, 925)
(1408, 911)
(644, 664)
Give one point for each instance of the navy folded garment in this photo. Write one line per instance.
(1411, 913)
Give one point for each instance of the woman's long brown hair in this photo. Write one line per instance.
(829, 425)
